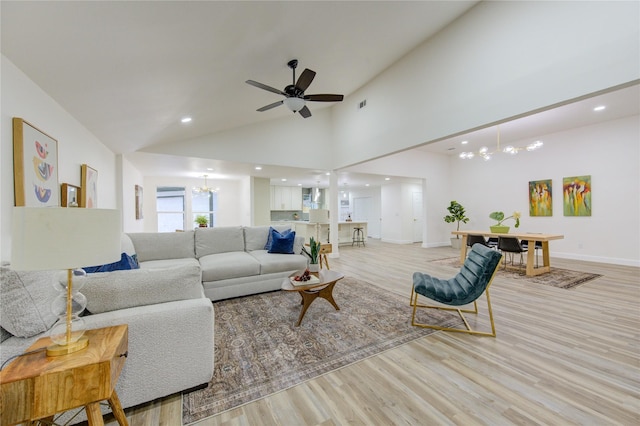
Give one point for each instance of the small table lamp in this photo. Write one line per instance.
(45, 238)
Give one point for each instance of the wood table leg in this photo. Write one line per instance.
(309, 296)
(463, 249)
(116, 409)
(94, 415)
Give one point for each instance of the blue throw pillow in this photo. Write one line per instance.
(126, 262)
(283, 243)
(270, 237)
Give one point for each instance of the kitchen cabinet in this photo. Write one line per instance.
(286, 198)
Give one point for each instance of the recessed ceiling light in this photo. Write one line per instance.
(258, 167)
(366, 184)
(387, 178)
(210, 169)
(464, 142)
(328, 173)
(599, 108)
(283, 180)
(186, 120)
(299, 184)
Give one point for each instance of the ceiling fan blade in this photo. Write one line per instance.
(305, 112)
(324, 98)
(265, 87)
(267, 107)
(305, 79)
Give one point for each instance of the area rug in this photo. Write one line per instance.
(557, 277)
(260, 351)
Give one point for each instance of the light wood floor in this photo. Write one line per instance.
(560, 357)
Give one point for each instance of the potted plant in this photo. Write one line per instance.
(456, 214)
(201, 220)
(499, 228)
(314, 247)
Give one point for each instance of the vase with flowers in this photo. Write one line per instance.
(499, 228)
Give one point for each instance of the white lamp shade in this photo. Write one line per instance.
(318, 216)
(294, 104)
(64, 238)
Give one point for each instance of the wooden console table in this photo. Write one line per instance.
(36, 387)
(531, 238)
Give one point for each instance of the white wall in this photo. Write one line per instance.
(76, 145)
(498, 60)
(609, 152)
(435, 170)
(261, 201)
(128, 178)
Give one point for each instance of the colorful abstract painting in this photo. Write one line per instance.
(540, 198)
(577, 195)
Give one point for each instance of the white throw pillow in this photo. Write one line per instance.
(25, 301)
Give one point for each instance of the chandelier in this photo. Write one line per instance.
(509, 149)
(205, 188)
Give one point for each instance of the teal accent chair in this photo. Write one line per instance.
(466, 287)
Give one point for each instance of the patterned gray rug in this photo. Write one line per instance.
(557, 277)
(260, 351)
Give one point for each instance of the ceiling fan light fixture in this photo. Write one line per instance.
(294, 104)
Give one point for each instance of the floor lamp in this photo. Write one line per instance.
(51, 238)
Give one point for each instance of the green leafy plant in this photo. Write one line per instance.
(457, 214)
(201, 220)
(315, 250)
(499, 216)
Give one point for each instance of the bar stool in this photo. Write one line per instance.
(358, 237)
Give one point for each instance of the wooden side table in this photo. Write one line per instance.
(324, 250)
(35, 386)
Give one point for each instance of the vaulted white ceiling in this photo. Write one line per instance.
(129, 71)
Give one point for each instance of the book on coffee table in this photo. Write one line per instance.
(313, 280)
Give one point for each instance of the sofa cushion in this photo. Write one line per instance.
(222, 266)
(255, 237)
(219, 240)
(25, 301)
(163, 245)
(273, 262)
(110, 291)
(169, 263)
(282, 243)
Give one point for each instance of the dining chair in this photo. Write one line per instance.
(473, 280)
(512, 246)
(474, 239)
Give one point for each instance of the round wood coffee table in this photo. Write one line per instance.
(310, 292)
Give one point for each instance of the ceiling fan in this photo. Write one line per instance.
(294, 93)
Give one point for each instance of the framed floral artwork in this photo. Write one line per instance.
(89, 188)
(577, 195)
(35, 166)
(540, 198)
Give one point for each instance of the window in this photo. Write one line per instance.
(170, 206)
(204, 203)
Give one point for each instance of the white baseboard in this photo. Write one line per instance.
(599, 259)
(384, 240)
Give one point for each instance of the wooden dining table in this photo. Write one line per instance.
(531, 239)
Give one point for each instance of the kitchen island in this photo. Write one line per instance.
(308, 230)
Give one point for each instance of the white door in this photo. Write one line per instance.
(417, 217)
(362, 212)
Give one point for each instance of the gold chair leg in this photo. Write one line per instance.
(469, 330)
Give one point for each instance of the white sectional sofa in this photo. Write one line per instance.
(233, 260)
